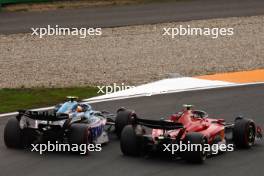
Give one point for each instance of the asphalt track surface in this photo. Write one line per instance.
(224, 103)
(21, 22)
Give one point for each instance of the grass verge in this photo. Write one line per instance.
(13, 99)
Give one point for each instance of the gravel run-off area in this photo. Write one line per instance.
(131, 55)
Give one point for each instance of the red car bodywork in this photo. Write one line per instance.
(192, 123)
(187, 127)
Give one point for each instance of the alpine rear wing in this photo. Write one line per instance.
(158, 124)
(38, 115)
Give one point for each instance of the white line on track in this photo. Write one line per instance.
(159, 89)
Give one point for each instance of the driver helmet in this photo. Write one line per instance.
(79, 108)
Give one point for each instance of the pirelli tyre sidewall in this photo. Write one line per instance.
(198, 156)
(123, 118)
(79, 133)
(244, 133)
(13, 134)
(131, 141)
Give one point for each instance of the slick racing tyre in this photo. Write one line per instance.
(195, 156)
(79, 134)
(130, 142)
(13, 134)
(123, 118)
(244, 133)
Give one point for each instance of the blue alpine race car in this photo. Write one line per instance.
(71, 122)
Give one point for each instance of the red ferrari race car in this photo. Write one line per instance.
(189, 134)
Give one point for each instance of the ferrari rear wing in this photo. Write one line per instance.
(47, 116)
(158, 124)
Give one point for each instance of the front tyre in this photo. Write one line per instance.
(123, 118)
(244, 133)
(13, 134)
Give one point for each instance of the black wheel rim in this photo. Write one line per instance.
(251, 135)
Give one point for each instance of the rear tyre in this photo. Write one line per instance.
(244, 133)
(199, 155)
(130, 142)
(79, 134)
(122, 119)
(13, 134)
